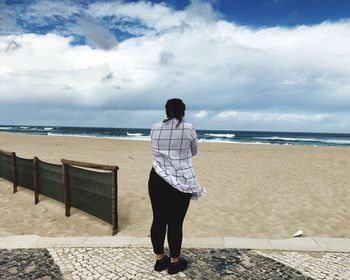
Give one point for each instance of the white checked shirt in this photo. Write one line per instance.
(172, 150)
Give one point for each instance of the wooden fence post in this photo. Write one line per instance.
(36, 180)
(14, 172)
(115, 200)
(66, 188)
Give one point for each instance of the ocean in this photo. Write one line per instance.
(217, 136)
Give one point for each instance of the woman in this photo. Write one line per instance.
(172, 183)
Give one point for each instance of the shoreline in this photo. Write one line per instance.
(294, 140)
(255, 191)
(201, 142)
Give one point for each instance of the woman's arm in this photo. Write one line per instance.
(194, 142)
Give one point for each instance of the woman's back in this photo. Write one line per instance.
(174, 139)
(173, 145)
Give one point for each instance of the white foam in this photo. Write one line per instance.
(139, 138)
(285, 138)
(220, 140)
(134, 134)
(220, 135)
(214, 140)
(331, 141)
(70, 135)
(337, 141)
(48, 128)
(5, 127)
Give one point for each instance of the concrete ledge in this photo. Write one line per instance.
(203, 242)
(18, 241)
(107, 241)
(45, 242)
(333, 244)
(141, 242)
(247, 243)
(293, 244)
(296, 244)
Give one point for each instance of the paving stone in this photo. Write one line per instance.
(319, 266)
(28, 264)
(208, 264)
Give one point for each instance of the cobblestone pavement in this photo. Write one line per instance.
(137, 263)
(318, 266)
(28, 264)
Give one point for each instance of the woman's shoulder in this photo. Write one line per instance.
(188, 125)
(157, 125)
(161, 124)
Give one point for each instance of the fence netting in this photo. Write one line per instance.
(6, 167)
(50, 181)
(91, 191)
(25, 173)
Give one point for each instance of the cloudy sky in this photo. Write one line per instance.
(273, 65)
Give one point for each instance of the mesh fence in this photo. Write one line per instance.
(6, 167)
(25, 175)
(50, 180)
(91, 191)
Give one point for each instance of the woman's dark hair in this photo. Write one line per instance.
(175, 108)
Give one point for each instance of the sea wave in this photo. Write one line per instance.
(134, 134)
(337, 141)
(220, 135)
(139, 138)
(285, 138)
(220, 140)
(71, 135)
(204, 136)
(330, 141)
(213, 140)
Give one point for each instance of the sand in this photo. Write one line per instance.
(258, 191)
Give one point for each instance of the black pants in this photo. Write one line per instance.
(169, 209)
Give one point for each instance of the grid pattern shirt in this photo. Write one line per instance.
(172, 150)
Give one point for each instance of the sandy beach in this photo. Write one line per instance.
(259, 191)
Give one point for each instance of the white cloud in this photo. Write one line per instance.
(47, 68)
(200, 114)
(156, 16)
(292, 76)
(40, 11)
(8, 24)
(95, 35)
(273, 117)
(152, 15)
(201, 10)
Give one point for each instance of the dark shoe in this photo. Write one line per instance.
(162, 264)
(180, 265)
